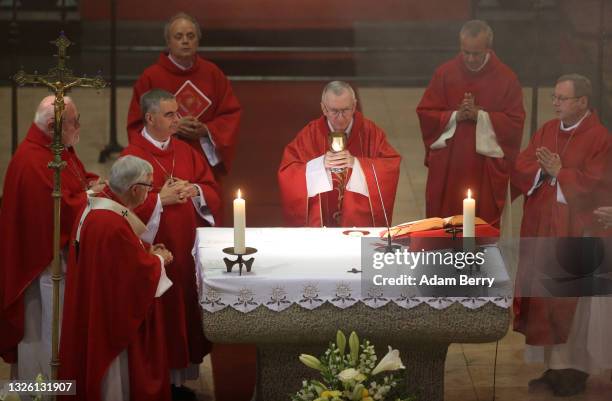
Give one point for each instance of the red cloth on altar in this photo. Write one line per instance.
(457, 167)
(182, 314)
(110, 306)
(222, 117)
(441, 239)
(546, 321)
(26, 225)
(368, 144)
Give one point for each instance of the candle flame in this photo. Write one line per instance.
(239, 194)
(469, 194)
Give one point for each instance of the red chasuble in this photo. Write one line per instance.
(222, 115)
(368, 144)
(457, 167)
(26, 225)
(584, 152)
(182, 316)
(110, 306)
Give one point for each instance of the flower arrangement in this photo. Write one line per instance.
(352, 376)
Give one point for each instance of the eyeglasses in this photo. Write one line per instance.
(338, 112)
(144, 184)
(562, 99)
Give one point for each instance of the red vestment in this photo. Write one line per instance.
(177, 229)
(110, 306)
(368, 144)
(222, 117)
(26, 225)
(583, 152)
(457, 167)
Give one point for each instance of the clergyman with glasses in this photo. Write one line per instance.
(471, 117)
(339, 171)
(558, 173)
(26, 233)
(112, 342)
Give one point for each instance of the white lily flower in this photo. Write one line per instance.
(391, 361)
(311, 361)
(351, 374)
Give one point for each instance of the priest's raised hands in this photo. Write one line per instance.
(549, 161)
(191, 128)
(172, 192)
(341, 159)
(468, 109)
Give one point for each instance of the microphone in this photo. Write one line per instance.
(389, 248)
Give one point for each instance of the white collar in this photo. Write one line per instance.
(347, 130)
(564, 128)
(158, 144)
(486, 60)
(176, 63)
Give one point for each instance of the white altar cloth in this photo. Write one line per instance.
(303, 266)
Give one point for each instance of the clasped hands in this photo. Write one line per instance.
(467, 109)
(177, 191)
(604, 216)
(549, 162)
(191, 128)
(339, 159)
(161, 250)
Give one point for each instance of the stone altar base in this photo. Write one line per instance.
(422, 335)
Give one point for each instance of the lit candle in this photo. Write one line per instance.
(239, 224)
(469, 215)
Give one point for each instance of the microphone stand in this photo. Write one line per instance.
(390, 247)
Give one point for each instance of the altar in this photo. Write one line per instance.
(306, 283)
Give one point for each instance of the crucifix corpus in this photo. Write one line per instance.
(59, 80)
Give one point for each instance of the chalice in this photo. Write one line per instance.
(337, 143)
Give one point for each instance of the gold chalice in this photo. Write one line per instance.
(337, 143)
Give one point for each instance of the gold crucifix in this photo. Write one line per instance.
(59, 80)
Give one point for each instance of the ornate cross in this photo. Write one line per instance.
(59, 80)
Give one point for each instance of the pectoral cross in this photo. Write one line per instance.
(59, 80)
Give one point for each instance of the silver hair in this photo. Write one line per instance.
(45, 112)
(474, 27)
(337, 88)
(149, 101)
(582, 85)
(184, 16)
(127, 171)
